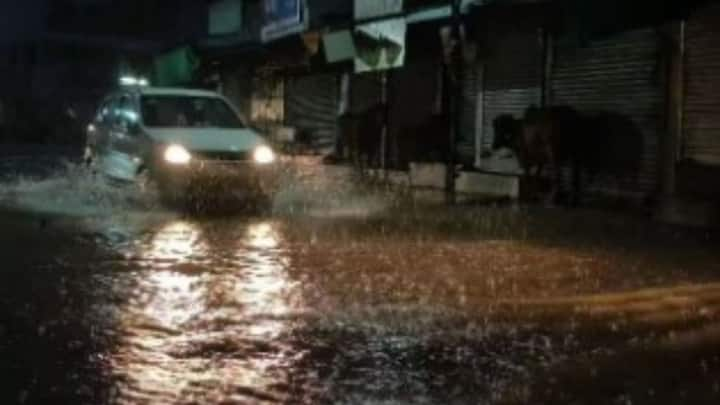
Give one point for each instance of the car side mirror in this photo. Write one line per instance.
(133, 128)
(127, 128)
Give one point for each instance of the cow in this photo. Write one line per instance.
(557, 137)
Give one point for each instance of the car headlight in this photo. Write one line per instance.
(263, 155)
(177, 155)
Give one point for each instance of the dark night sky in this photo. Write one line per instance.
(22, 19)
(27, 19)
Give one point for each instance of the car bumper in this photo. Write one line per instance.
(215, 178)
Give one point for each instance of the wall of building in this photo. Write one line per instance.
(524, 59)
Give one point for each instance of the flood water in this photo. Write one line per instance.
(345, 295)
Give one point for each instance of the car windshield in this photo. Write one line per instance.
(188, 112)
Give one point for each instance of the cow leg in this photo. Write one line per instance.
(576, 183)
(357, 153)
(557, 182)
(539, 171)
(554, 196)
(535, 179)
(529, 180)
(359, 161)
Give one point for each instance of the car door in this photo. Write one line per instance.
(98, 133)
(125, 143)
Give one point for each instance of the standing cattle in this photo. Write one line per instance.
(558, 137)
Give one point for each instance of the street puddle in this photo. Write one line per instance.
(337, 298)
(208, 320)
(222, 312)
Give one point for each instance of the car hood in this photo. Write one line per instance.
(208, 139)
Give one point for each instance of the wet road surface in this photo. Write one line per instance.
(347, 296)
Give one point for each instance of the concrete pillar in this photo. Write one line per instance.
(385, 127)
(548, 46)
(672, 139)
(480, 114)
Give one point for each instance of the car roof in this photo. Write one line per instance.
(173, 91)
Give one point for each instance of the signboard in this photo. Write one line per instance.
(282, 17)
(339, 46)
(380, 45)
(225, 17)
(367, 9)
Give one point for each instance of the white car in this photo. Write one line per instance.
(186, 141)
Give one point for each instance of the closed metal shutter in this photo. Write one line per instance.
(620, 75)
(311, 105)
(513, 79)
(702, 103)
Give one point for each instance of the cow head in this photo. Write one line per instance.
(507, 131)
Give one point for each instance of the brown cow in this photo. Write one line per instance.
(560, 136)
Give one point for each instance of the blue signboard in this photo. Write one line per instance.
(282, 17)
(279, 11)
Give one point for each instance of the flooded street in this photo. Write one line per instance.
(343, 295)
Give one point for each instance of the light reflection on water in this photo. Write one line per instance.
(266, 289)
(176, 242)
(202, 320)
(173, 298)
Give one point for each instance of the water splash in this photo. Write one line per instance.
(74, 190)
(308, 188)
(105, 210)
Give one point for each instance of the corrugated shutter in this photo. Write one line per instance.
(620, 75)
(513, 78)
(311, 105)
(702, 103)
